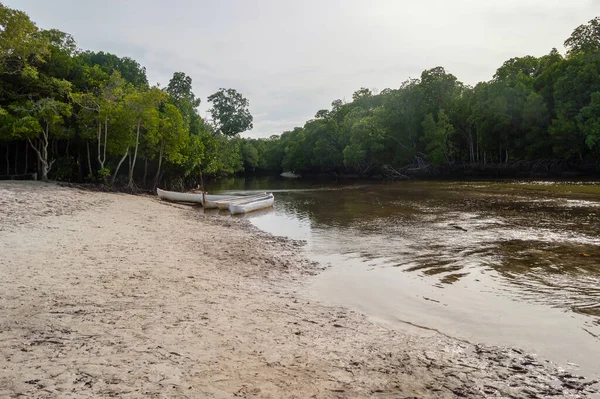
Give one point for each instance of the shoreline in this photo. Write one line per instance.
(109, 294)
(543, 169)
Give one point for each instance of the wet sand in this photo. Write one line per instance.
(112, 295)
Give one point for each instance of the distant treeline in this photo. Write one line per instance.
(75, 115)
(535, 112)
(68, 114)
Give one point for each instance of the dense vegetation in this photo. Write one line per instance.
(69, 114)
(76, 115)
(535, 111)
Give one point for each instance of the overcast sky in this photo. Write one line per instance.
(292, 58)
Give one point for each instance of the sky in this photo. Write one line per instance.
(292, 58)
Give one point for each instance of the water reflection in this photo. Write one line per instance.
(523, 252)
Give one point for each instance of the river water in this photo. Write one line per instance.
(503, 263)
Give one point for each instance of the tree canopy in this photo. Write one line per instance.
(230, 112)
(94, 113)
(72, 114)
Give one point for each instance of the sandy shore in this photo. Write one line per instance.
(113, 295)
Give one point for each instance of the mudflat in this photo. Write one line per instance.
(114, 295)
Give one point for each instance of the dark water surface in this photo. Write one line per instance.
(510, 263)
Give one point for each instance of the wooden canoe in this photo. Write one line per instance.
(252, 205)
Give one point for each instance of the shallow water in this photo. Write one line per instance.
(512, 263)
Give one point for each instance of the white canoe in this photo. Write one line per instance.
(252, 205)
(188, 197)
(224, 203)
(213, 203)
(290, 175)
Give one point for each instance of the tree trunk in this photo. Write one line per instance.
(79, 168)
(99, 140)
(16, 157)
(132, 167)
(26, 156)
(105, 140)
(42, 153)
(145, 172)
(67, 149)
(161, 178)
(202, 187)
(129, 171)
(44, 171)
(89, 159)
(162, 146)
(101, 154)
(7, 161)
(39, 163)
(45, 165)
(471, 147)
(119, 166)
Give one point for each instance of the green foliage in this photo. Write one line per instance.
(180, 89)
(43, 117)
(438, 138)
(57, 96)
(130, 70)
(585, 38)
(249, 156)
(183, 97)
(64, 168)
(518, 69)
(222, 155)
(20, 43)
(589, 122)
(230, 112)
(298, 151)
(535, 122)
(173, 134)
(366, 143)
(271, 154)
(104, 173)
